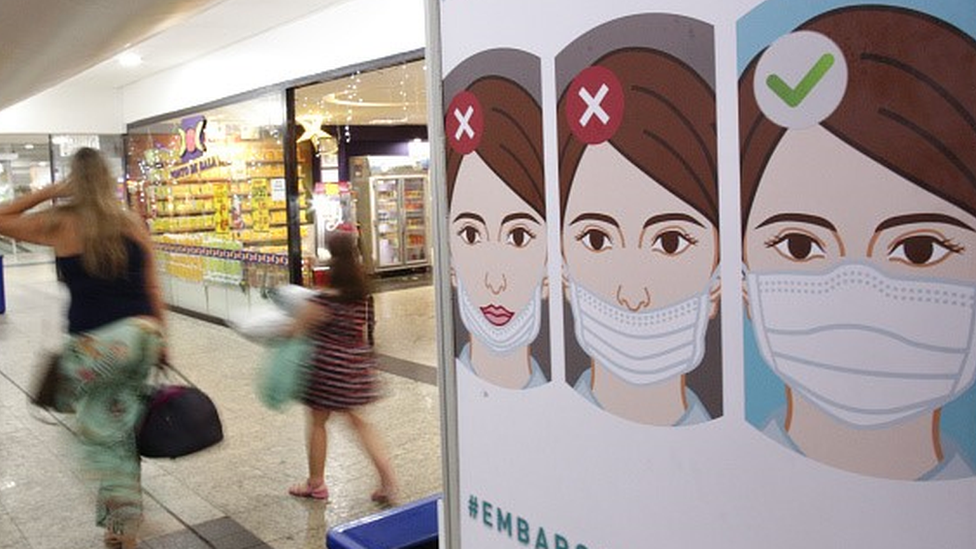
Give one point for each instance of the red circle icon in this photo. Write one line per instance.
(464, 122)
(594, 105)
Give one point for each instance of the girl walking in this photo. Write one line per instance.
(343, 377)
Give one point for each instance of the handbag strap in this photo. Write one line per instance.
(163, 373)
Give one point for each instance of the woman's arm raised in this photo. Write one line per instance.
(37, 228)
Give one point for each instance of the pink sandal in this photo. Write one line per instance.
(306, 490)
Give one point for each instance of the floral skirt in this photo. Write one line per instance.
(107, 369)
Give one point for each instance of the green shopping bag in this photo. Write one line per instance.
(284, 373)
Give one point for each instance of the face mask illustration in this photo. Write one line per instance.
(868, 349)
(644, 347)
(520, 331)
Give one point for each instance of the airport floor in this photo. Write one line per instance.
(232, 496)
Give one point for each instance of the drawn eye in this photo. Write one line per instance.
(595, 240)
(672, 242)
(470, 235)
(519, 237)
(797, 247)
(923, 250)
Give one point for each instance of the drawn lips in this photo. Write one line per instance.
(497, 315)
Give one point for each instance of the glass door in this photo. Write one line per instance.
(415, 219)
(387, 245)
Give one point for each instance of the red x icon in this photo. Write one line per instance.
(464, 123)
(594, 105)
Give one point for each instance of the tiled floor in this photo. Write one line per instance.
(234, 495)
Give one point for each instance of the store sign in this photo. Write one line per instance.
(646, 337)
(222, 204)
(193, 137)
(260, 205)
(181, 171)
(327, 203)
(69, 144)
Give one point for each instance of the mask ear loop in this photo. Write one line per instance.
(714, 290)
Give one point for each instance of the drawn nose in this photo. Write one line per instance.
(635, 300)
(496, 283)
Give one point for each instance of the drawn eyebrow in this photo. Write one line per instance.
(469, 215)
(671, 217)
(798, 218)
(592, 216)
(520, 215)
(909, 219)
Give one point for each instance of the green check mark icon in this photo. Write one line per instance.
(794, 96)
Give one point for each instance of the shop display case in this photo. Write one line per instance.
(415, 215)
(399, 222)
(393, 213)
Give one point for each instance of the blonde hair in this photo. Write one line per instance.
(103, 220)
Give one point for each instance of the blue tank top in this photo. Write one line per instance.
(96, 302)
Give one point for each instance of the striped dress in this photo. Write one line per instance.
(343, 365)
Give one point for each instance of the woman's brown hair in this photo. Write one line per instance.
(346, 273)
(511, 143)
(667, 130)
(910, 103)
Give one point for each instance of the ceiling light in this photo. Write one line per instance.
(130, 59)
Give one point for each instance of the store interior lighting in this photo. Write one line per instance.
(129, 59)
(394, 95)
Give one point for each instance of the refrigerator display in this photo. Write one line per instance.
(387, 243)
(415, 219)
(399, 219)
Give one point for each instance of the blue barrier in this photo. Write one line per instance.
(3, 301)
(411, 526)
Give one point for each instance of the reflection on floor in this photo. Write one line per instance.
(393, 282)
(234, 495)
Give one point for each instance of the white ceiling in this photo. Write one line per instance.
(44, 42)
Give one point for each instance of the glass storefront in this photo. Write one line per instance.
(63, 146)
(364, 145)
(29, 162)
(25, 164)
(211, 186)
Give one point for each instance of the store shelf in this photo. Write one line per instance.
(183, 231)
(184, 214)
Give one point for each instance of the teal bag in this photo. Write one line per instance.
(284, 374)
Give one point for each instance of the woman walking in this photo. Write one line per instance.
(343, 377)
(115, 323)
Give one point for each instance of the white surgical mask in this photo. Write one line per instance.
(868, 349)
(518, 332)
(641, 348)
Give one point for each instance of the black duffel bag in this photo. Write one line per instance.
(179, 420)
(50, 385)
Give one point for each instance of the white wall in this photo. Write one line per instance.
(71, 107)
(349, 33)
(345, 34)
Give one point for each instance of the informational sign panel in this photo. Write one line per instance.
(712, 269)
(260, 205)
(221, 201)
(278, 193)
